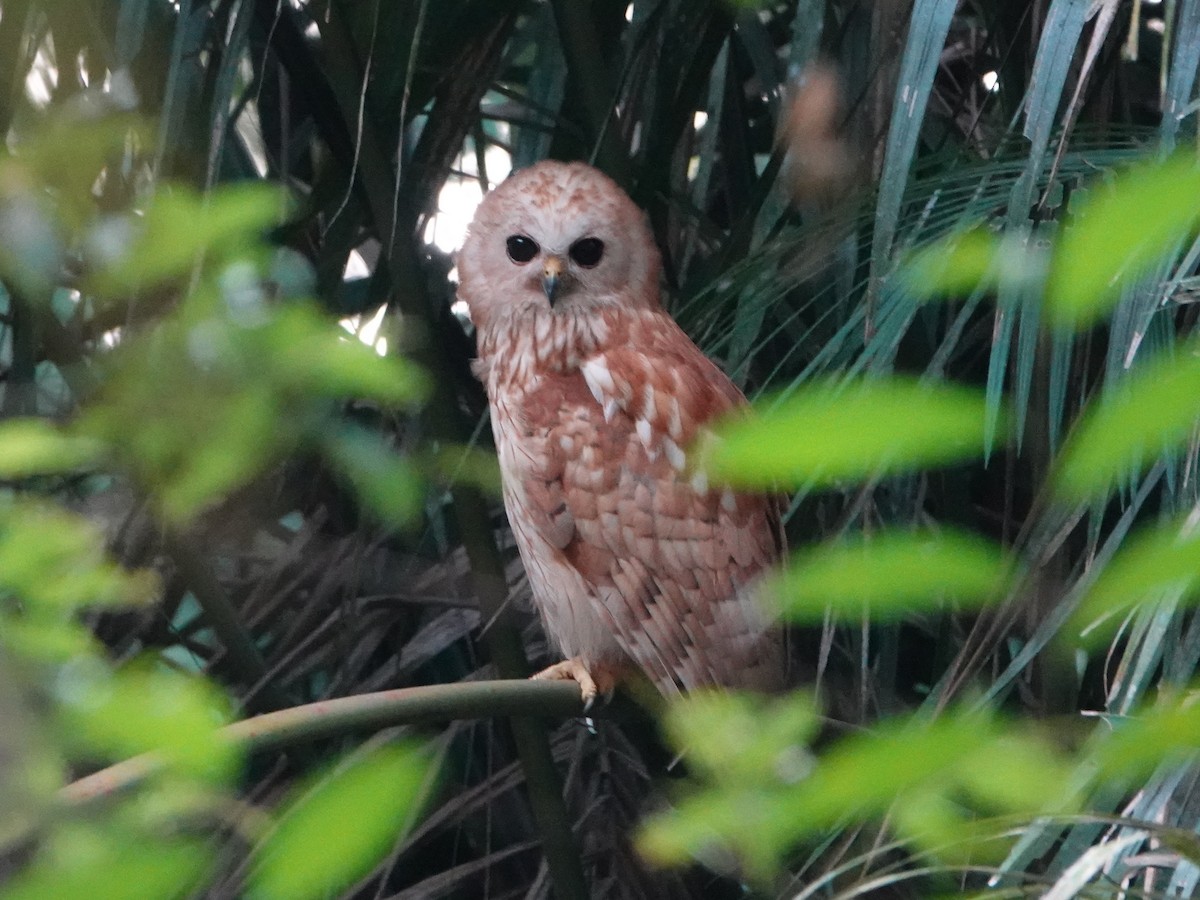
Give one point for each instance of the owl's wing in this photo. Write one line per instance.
(672, 560)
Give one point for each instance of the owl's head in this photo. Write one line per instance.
(558, 235)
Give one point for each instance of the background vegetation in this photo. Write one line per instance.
(946, 243)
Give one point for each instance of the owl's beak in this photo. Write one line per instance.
(553, 276)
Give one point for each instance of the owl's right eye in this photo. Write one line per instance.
(521, 249)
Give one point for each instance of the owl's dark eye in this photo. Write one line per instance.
(521, 249)
(587, 251)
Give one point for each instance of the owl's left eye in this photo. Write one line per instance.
(587, 252)
(521, 249)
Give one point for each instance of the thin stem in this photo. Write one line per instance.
(363, 712)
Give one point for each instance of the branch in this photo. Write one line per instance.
(363, 712)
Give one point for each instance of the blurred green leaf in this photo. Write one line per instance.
(1135, 746)
(826, 432)
(204, 403)
(140, 709)
(244, 436)
(55, 562)
(111, 864)
(454, 464)
(33, 768)
(925, 775)
(35, 447)
(60, 160)
(314, 356)
(47, 640)
(369, 803)
(1154, 410)
(890, 575)
(743, 737)
(31, 245)
(961, 263)
(385, 482)
(179, 224)
(1117, 233)
(1152, 560)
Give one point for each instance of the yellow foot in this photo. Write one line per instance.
(600, 680)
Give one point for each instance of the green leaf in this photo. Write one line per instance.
(55, 562)
(827, 432)
(180, 224)
(969, 261)
(735, 737)
(452, 464)
(34, 447)
(245, 434)
(1151, 561)
(313, 355)
(1153, 411)
(890, 575)
(113, 865)
(1138, 745)
(1119, 233)
(954, 265)
(925, 775)
(365, 807)
(384, 481)
(140, 709)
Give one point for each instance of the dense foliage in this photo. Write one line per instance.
(949, 247)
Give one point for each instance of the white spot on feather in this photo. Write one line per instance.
(728, 501)
(643, 431)
(651, 410)
(599, 380)
(674, 454)
(675, 420)
(610, 409)
(699, 483)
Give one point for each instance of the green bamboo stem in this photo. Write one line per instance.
(360, 713)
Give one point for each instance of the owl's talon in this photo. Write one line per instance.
(591, 683)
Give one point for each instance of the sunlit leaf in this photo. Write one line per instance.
(34, 446)
(369, 802)
(1152, 411)
(140, 709)
(1117, 234)
(826, 432)
(890, 575)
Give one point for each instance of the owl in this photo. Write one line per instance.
(635, 561)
